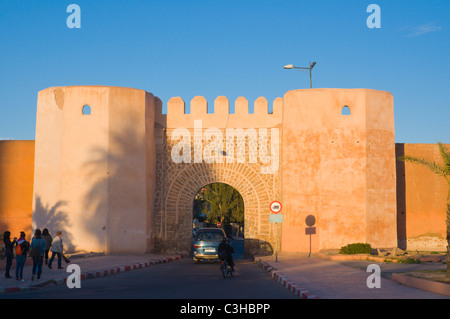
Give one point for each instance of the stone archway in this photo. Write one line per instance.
(185, 185)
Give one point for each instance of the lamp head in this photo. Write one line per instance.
(289, 66)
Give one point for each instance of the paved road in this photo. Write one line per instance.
(178, 280)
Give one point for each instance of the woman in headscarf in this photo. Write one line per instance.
(9, 246)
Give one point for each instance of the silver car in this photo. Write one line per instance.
(206, 242)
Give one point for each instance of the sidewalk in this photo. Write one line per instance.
(319, 278)
(91, 266)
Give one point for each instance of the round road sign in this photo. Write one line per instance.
(310, 220)
(275, 207)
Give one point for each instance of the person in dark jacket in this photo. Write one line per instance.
(228, 251)
(48, 243)
(37, 252)
(9, 246)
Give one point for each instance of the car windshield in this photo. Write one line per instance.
(210, 236)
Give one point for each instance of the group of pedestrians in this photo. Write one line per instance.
(41, 244)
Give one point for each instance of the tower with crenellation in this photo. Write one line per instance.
(123, 178)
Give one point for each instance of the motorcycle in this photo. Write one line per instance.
(226, 269)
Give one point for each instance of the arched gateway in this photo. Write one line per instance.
(178, 202)
(200, 148)
(124, 176)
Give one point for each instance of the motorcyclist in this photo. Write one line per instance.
(227, 251)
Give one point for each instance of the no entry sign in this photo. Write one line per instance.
(275, 207)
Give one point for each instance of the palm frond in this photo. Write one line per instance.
(445, 156)
(433, 166)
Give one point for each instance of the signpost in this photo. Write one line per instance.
(276, 217)
(310, 221)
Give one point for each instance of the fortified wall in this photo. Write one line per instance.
(16, 186)
(339, 167)
(239, 149)
(421, 200)
(95, 170)
(115, 174)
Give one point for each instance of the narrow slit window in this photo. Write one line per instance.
(346, 110)
(86, 110)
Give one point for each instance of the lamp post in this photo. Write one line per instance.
(311, 65)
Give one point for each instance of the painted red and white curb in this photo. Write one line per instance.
(278, 276)
(92, 274)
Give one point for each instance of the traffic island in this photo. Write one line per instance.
(432, 281)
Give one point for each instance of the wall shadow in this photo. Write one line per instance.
(111, 170)
(54, 219)
(401, 197)
(95, 202)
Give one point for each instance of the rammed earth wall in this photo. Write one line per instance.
(122, 179)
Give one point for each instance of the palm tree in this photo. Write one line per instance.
(441, 170)
(221, 202)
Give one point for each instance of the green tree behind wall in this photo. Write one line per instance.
(220, 202)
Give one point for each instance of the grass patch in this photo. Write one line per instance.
(408, 261)
(357, 248)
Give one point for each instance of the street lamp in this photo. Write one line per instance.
(311, 65)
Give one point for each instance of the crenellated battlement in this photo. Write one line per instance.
(221, 117)
(128, 168)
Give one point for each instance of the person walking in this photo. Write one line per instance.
(9, 246)
(37, 252)
(22, 248)
(56, 249)
(48, 242)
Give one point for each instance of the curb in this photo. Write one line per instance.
(91, 274)
(423, 284)
(294, 287)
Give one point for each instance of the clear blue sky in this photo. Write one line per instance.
(232, 48)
